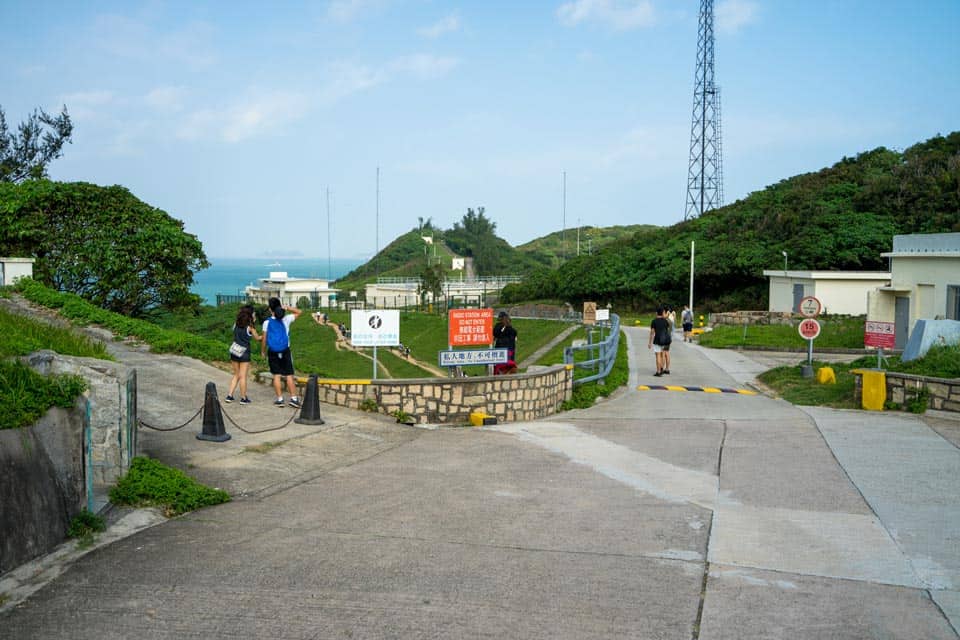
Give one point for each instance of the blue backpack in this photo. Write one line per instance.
(277, 339)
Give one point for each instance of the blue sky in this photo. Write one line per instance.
(236, 117)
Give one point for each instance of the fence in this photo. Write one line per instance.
(600, 355)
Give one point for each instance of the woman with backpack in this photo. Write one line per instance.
(243, 332)
(276, 348)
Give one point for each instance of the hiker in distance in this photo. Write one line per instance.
(687, 319)
(276, 348)
(659, 340)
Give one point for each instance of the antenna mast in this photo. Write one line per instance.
(705, 173)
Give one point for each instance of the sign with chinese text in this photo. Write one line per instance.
(603, 315)
(379, 328)
(809, 307)
(478, 356)
(880, 335)
(809, 329)
(589, 313)
(470, 326)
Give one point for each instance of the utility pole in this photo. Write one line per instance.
(705, 169)
(563, 233)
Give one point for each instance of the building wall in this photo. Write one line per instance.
(12, 269)
(936, 273)
(844, 297)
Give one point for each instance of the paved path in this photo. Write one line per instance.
(654, 514)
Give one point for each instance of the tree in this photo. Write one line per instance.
(101, 243)
(26, 156)
(475, 236)
(431, 282)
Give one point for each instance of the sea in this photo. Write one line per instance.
(231, 275)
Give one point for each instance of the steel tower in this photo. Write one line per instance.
(705, 173)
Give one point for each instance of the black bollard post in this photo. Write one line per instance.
(310, 411)
(213, 428)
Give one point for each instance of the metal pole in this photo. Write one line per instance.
(374, 362)
(692, 246)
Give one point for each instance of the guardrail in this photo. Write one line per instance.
(600, 355)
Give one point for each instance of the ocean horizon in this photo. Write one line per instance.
(230, 276)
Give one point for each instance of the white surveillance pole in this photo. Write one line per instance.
(692, 246)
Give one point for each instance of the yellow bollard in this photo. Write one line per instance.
(874, 391)
(825, 375)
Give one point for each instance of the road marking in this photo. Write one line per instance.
(670, 387)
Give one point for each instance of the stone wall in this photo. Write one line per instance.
(740, 318)
(944, 393)
(509, 398)
(41, 484)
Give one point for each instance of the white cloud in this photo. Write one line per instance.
(257, 114)
(350, 10)
(447, 24)
(166, 99)
(424, 66)
(620, 15)
(189, 46)
(345, 79)
(731, 15)
(87, 105)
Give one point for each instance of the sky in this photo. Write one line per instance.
(239, 118)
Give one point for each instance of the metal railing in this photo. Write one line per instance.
(600, 354)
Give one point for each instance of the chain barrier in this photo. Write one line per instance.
(144, 424)
(227, 415)
(234, 423)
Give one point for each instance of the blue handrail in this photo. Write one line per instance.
(601, 354)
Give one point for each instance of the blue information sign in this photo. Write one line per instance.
(476, 356)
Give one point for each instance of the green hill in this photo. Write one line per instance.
(839, 218)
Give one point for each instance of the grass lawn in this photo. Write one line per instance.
(787, 382)
(836, 332)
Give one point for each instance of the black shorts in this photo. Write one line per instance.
(244, 358)
(688, 327)
(281, 364)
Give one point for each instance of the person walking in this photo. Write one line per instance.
(686, 317)
(243, 332)
(659, 341)
(276, 347)
(505, 337)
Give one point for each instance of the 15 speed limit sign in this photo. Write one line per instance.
(809, 329)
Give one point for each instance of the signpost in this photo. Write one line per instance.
(467, 327)
(590, 313)
(809, 329)
(473, 356)
(880, 335)
(379, 328)
(809, 307)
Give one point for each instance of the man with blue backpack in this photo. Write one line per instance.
(276, 347)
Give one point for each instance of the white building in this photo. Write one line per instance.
(395, 293)
(840, 292)
(924, 283)
(12, 269)
(289, 290)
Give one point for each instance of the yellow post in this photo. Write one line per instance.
(825, 375)
(874, 389)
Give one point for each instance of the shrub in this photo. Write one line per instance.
(26, 395)
(585, 395)
(150, 483)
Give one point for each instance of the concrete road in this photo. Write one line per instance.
(655, 514)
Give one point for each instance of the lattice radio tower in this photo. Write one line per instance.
(705, 174)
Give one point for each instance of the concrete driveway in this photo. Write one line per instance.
(655, 514)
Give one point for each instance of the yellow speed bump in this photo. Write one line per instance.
(670, 387)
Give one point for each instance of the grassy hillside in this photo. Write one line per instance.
(839, 218)
(549, 248)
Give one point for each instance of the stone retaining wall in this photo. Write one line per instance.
(509, 398)
(903, 387)
(740, 318)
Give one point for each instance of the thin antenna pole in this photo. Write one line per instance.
(329, 260)
(578, 236)
(563, 233)
(378, 224)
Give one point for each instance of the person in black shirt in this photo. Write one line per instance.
(505, 337)
(660, 341)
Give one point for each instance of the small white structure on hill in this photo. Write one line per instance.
(840, 292)
(289, 290)
(12, 269)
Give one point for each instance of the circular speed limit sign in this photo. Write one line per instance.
(809, 329)
(809, 307)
